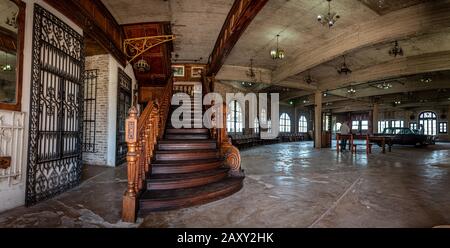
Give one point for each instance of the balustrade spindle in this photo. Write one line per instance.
(142, 134)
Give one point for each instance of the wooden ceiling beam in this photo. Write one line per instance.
(240, 16)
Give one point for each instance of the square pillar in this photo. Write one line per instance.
(375, 118)
(318, 119)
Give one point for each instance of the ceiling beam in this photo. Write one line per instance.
(420, 19)
(431, 62)
(297, 85)
(240, 16)
(239, 74)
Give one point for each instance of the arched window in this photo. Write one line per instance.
(428, 123)
(285, 123)
(302, 125)
(234, 118)
(256, 125)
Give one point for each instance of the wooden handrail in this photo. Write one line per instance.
(142, 134)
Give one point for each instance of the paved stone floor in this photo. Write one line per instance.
(287, 185)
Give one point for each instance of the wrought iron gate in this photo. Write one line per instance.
(56, 112)
(123, 105)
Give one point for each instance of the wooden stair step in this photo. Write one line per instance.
(178, 155)
(161, 200)
(179, 145)
(175, 167)
(187, 136)
(185, 180)
(187, 131)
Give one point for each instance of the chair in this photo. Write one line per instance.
(368, 145)
(353, 146)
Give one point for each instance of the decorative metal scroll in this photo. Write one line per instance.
(133, 48)
(56, 112)
(123, 105)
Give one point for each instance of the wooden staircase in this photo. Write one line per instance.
(187, 169)
(170, 168)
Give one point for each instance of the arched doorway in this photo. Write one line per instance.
(428, 123)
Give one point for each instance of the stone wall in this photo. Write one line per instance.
(100, 63)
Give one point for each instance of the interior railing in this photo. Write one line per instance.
(142, 134)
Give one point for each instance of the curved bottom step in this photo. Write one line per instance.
(161, 200)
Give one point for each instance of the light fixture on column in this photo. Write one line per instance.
(344, 68)
(277, 53)
(396, 50)
(329, 18)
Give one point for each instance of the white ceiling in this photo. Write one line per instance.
(195, 23)
(296, 22)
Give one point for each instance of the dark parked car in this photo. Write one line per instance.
(406, 136)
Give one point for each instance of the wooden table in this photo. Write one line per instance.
(368, 138)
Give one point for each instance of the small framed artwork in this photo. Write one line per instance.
(196, 72)
(178, 70)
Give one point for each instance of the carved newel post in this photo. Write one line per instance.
(229, 152)
(129, 200)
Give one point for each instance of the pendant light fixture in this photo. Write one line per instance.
(344, 68)
(142, 65)
(277, 53)
(396, 50)
(309, 79)
(329, 18)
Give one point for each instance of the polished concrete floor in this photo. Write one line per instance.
(287, 185)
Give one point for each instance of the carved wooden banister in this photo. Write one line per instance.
(230, 153)
(142, 135)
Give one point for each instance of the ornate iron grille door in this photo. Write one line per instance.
(123, 105)
(56, 112)
(90, 110)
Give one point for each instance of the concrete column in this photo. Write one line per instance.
(375, 118)
(318, 119)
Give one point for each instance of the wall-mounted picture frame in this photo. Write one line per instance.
(196, 72)
(178, 70)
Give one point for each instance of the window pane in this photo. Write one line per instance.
(302, 125)
(285, 123)
(364, 125)
(355, 125)
(256, 125)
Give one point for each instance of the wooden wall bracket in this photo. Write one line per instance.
(135, 47)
